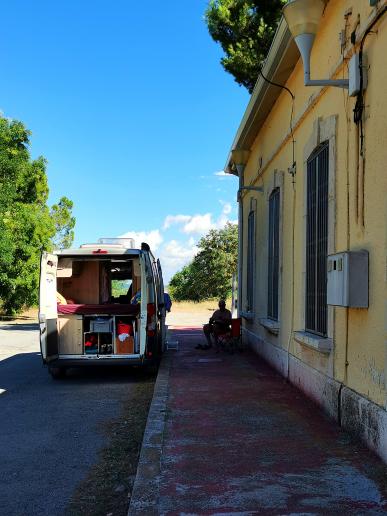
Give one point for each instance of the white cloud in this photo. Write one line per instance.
(190, 224)
(177, 252)
(153, 238)
(221, 174)
(199, 224)
(224, 217)
(174, 255)
(171, 220)
(226, 207)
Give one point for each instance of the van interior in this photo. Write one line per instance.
(97, 306)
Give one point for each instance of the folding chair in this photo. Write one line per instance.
(232, 340)
(236, 335)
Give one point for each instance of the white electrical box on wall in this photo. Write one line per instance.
(354, 80)
(348, 279)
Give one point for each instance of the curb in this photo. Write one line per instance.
(146, 487)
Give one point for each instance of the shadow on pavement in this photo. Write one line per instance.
(20, 327)
(104, 374)
(29, 367)
(53, 430)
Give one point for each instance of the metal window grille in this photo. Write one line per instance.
(316, 242)
(250, 260)
(273, 265)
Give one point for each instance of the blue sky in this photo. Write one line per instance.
(135, 115)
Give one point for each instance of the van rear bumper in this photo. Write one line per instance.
(98, 362)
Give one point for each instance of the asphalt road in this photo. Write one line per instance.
(18, 338)
(50, 430)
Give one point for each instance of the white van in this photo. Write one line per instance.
(101, 304)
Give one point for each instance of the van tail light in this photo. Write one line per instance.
(151, 319)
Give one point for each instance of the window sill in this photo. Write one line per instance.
(247, 315)
(320, 344)
(270, 325)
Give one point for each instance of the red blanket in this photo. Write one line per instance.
(114, 309)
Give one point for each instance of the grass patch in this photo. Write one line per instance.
(29, 314)
(108, 487)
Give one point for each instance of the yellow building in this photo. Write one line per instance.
(312, 167)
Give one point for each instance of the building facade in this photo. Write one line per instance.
(312, 170)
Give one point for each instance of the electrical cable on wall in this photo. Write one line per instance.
(359, 106)
(358, 118)
(291, 113)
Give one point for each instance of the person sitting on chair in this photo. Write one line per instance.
(218, 324)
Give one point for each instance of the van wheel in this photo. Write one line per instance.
(57, 372)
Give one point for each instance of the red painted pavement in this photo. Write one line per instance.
(240, 440)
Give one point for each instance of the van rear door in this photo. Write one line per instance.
(145, 275)
(48, 314)
(163, 311)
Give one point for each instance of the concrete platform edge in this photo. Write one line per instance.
(145, 493)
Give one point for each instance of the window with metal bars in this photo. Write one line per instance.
(317, 241)
(273, 259)
(250, 261)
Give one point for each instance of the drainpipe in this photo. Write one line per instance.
(240, 157)
(240, 169)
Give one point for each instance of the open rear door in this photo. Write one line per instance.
(48, 314)
(144, 300)
(163, 311)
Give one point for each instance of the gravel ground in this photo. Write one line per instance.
(108, 486)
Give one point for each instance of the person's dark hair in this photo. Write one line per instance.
(145, 246)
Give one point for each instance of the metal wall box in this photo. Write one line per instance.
(354, 76)
(348, 279)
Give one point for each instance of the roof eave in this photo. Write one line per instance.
(280, 62)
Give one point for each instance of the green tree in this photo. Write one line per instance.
(26, 226)
(245, 30)
(178, 284)
(64, 223)
(210, 273)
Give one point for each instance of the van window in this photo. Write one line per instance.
(120, 287)
(123, 281)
